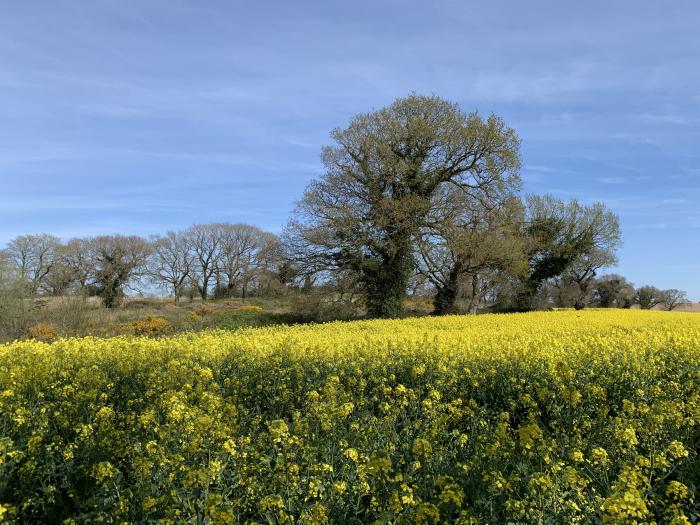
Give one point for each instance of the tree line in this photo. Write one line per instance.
(219, 259)
(417, 198)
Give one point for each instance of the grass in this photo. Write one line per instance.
(48, 319)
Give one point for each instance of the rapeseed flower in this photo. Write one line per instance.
(563, 417)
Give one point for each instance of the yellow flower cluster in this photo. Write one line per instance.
(558, 417)
(151, 326)
(252, 308)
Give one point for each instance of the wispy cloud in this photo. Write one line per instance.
(665, 118)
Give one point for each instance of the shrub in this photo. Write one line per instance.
(202, 311)
(17, 309)
(151, 326)
(252, 308)
(321, 307)
(42, 332)
(418, 304)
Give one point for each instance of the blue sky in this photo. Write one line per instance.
(143, 116)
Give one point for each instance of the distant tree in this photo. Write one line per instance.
(33, 256)
(468, 242)
(673, 298)
(240, 247)
(15, 298)
(116, 260)
(647, 297)
(7, 268)
(204, 241)
(565, 237)
(76, 257)
(171, 262)
(61, 276)
(381, 177)
(613, 291)
(270, 262)
(580, 277)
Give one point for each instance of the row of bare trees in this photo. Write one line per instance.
(483, 260)
(102, 265)
(222, 258)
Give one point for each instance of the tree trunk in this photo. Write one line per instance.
(386, 281)
(580, 301)
(111, 295)
(445, 301)
(308, 284)
(474, 300)
(204, 289)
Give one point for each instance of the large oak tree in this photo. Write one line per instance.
(362, 216)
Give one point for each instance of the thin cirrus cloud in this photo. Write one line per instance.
(144, 117)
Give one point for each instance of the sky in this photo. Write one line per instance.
(139, 117)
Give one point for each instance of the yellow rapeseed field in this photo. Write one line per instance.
(556, 417)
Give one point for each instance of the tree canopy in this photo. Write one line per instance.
(381, 177)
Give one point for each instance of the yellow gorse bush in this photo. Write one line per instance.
(252, 308)
(149, 326)
(42, 332)
(560, 417)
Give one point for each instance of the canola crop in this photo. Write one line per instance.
(553, 417)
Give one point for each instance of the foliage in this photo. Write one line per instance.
(202, 310)
(562, 417)
(649, 296)
(171, 262)
(33, 256)
(320, 306)
(16, 304)
(474, 240)
(80, 316)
